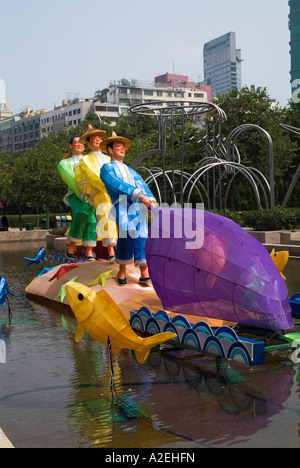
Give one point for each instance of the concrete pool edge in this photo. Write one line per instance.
(4, 441)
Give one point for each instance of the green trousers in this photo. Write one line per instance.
(84, 224)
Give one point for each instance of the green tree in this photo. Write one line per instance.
(31, 180)
(45, 189)
(6, 177)
(254, 106)
(20, 188)
(292, 119)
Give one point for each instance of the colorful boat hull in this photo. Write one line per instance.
(222, 341)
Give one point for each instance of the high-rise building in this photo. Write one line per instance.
(294, 24)
(222, 64)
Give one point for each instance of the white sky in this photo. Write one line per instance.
(51, 50)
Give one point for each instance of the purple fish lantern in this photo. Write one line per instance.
(206, 265)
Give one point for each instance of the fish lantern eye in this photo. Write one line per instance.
(80, 297)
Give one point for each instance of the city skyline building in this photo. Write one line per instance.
(165, 88)
(222, 64)
(22, 131)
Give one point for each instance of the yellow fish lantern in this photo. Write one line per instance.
(103, 320)
(280, 259)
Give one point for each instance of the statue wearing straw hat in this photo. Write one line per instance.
(129, 194)
(89, 182)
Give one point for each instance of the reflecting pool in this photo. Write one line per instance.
(56, 393)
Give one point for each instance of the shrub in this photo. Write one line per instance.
(275, 220)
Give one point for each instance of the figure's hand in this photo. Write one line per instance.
(146, 201)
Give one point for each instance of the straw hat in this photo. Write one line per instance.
(115, 137)
(90, 132)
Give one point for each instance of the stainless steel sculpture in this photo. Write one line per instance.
(222, 158)
(296, 131)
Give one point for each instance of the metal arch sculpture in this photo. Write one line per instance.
(230, 152)
(185, 175)
(296, 131)
(218, 155)
(236, 133)
(211, 163)
(137, 161)
(253, 172)
(175, 107)
(226, 164)
(166, 112)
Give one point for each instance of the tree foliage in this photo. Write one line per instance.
(31, 182)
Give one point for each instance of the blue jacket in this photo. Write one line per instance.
(115, 185)
(126, 214)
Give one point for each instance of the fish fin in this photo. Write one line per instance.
(211, 279)
(111, 303)
(144, 348)
(79, 333)
(293, 338)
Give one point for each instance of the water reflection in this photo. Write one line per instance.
(56, 393)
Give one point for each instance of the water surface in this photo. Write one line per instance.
(56, 393)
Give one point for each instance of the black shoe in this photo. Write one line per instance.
(111, 259)
(89, 259)
(70, 255)
(144, 280)
(121, 281)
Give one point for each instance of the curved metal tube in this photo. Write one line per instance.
(218, 155)
(258, 180)
(243, 169)
(185, 175)
(234, 135)
(135, 163)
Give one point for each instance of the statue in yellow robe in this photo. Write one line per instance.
(87, 176)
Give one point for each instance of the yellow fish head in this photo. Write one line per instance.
(280, 259)
(81, 300)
